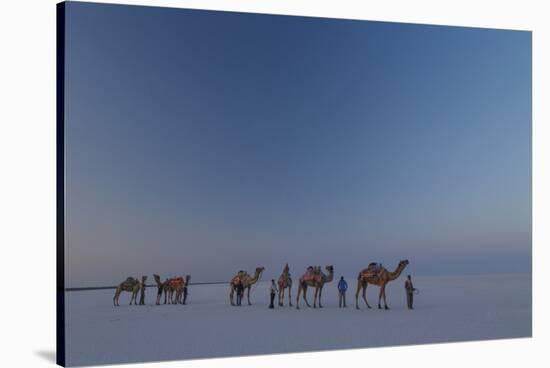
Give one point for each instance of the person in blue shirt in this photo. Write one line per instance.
(342, 287)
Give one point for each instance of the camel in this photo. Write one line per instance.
(142, 296)
(317, 279)
(285, 282)
(247, 282)
(175, 286)
(162, 287)
(174, 289)
(379, 278)
(131, 285)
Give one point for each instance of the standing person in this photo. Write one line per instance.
(142, 296)
(272, 292)
(409, 289)
(342, 287)
(185, 294)
(240, 292)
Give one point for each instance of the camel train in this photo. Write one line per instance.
(175, 289)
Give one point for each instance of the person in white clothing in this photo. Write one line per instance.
(272, 292)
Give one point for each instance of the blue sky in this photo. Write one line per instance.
(207, 142)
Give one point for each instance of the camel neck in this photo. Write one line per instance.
(395, 274)
(256, 276)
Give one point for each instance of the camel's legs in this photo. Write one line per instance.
(142, 297)
(289, 297)
(315, 297)
(365, 294)
(115, 298)
(231, 294)
(305, 297)
(357, 294)
(298, 296)
(384, 296)
(361, 286)
(281, 295)
(320, 292)
(248, 295)
(380, 297)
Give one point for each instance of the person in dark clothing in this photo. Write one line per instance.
(240, 292)
(142, 289)
(272, 292)
(342, 287)
(184, 293)
(409, 289)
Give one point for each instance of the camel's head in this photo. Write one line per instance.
(329, 268)
(187, 279)
(260, 270)
(403, 263)
(286, 269)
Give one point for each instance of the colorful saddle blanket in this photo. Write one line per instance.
(374, 269)
(240, 277)
(312, 276)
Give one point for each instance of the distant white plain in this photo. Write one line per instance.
(448, 308)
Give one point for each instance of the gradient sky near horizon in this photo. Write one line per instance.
(206, 142)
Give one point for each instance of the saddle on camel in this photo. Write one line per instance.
(312, 274)
(239, 277)
(373, 270)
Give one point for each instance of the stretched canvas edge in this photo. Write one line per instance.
(60, 184)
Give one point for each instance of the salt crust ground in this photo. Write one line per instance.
(448, 308)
